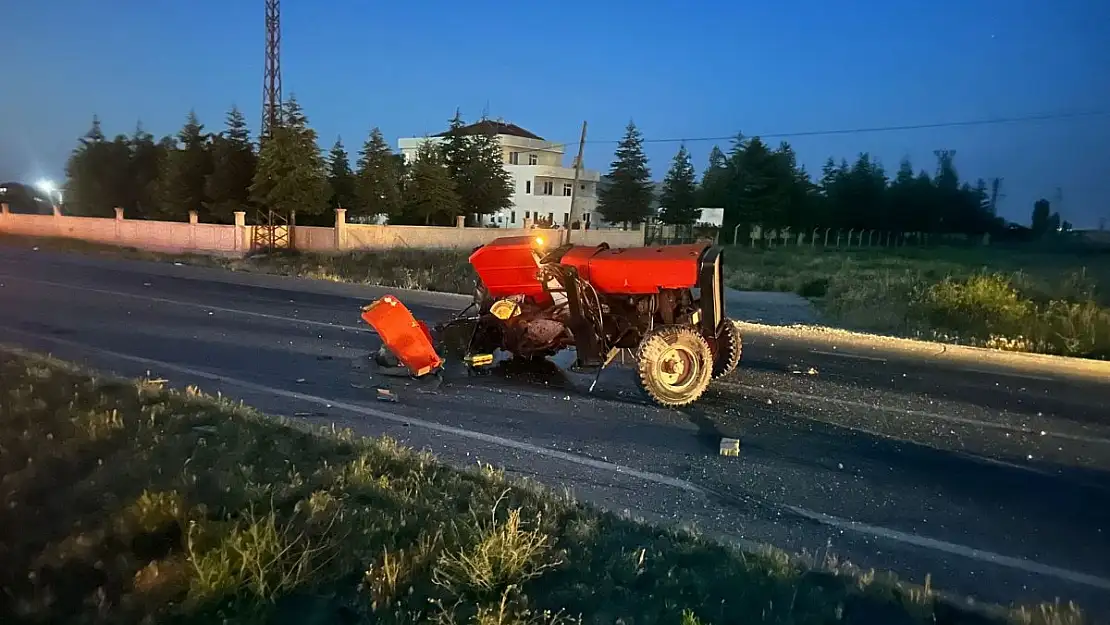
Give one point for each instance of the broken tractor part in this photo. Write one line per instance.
(403, 335)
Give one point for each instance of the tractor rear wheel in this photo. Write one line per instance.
(727, 349)
(675, 365)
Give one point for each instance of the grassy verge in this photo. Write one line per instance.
(129, 503)
(1049, 303)
(1042, 303)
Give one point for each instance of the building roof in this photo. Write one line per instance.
(489, 126)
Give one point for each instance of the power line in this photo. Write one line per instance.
(992, 121)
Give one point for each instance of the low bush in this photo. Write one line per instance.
(1039, 303)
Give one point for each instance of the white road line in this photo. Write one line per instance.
(847, 403)
(846, 355)
(954, 549)
(380, 414)
(222, 309)
(1021, 564)
(1008, 374)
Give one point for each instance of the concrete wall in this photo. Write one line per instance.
(200, 238)
(372, 237)
(158, 236)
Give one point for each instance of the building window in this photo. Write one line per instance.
(527, 214)
(548, 187)
(527, 186)
(533, 159)
(551, 218)
(582, 188)
(512, 217)
(514, 158)
(568, 188)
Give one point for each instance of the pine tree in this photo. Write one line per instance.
(146, 161)
(430, 196)
(455, 148)
(292, 174)
(84, 188)
(627, 199)
(486, 186)
(233, 166)
(713, 190)
(1042, 217)
(475, 163)
(679, 196)
(378, 181)
(293, 116)
(185, 172)
(340, 177)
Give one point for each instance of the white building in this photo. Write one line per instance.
(542, 185)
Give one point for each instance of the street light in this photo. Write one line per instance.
(50, 189)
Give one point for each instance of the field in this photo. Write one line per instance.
(130, 503)
(1052, 303)
(1046, 302)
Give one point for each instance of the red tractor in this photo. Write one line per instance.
(665, 304)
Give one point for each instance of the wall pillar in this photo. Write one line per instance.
(3, 215)
(340, 229)
(57, 210)
(241, 242)
(460, 221)
(193, 220)
(119, 224)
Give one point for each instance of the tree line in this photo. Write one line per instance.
(462, 173)
(756, 183)
(219, 173)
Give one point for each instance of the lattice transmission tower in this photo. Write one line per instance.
(271, 230)
(271, 78)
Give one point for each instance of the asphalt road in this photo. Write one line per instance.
(995, 485)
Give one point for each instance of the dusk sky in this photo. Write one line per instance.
(680, 70)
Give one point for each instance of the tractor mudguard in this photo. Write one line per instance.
(408, 338)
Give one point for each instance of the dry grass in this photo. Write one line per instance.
(130, 503)
(1046, 302)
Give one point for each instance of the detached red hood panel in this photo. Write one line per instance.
(404, 335)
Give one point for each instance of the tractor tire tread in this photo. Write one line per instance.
(730, 348)
(653, 345)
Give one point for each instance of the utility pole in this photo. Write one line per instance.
(574, 187)
(996, 194)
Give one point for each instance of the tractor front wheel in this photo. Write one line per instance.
(728, 347)
(675, 365)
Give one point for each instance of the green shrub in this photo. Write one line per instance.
(982, 306)
(990, 309)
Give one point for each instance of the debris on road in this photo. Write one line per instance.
(385, 394)
(730, 447)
